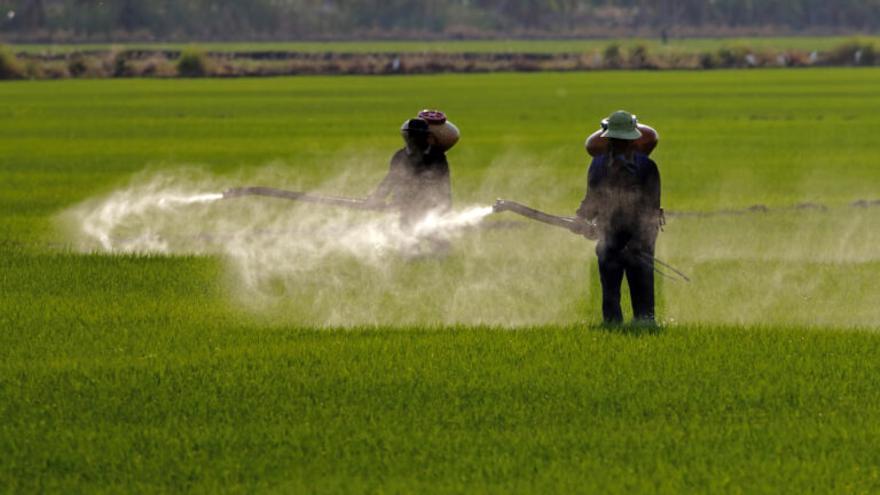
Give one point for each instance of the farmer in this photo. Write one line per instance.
(418, 179)
(622, 211)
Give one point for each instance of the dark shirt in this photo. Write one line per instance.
(623, 198)
(417, 183)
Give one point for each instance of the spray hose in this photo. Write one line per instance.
(570, 223)
(578, 226)
(352, 203)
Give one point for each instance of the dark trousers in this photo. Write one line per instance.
(638, 266)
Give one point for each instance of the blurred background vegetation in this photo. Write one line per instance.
(214, 20)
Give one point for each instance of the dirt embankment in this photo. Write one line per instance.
(196, 63)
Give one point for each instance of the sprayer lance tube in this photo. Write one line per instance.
(353, 203)
(568, 222)
(521, 209)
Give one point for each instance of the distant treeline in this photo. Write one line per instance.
(127, 20)
(193, 62)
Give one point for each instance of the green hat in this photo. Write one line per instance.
(621, 125)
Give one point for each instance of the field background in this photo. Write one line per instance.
(481, 372)
(807, 43)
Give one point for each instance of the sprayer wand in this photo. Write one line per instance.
(572, 224)
(352, 203)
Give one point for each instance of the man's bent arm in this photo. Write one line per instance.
(591, 204)
(389, 182)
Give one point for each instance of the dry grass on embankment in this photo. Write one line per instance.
(194, 62)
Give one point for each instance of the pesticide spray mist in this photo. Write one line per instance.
(284, 257)
(150, 219)
(302, 264)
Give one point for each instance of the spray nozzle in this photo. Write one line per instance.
(500, 205)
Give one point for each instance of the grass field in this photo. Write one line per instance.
(806, 43)
(481, 372)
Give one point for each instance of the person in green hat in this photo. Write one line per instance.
(621, 210)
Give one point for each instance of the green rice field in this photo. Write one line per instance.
(235, 348)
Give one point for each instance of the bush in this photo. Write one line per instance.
(708, 60)
(640, 59)
(853, 52)
(118, 62)
(156, 66)
(799, 59)
(868, 55)
(612, 56)
(10, 67)
(193, 63)
(34, 70)
(77, 65)
(734, 57)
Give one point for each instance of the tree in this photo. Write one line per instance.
(236, 19)
(33, 15)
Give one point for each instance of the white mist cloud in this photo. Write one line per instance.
(265, 240)
(305, 264)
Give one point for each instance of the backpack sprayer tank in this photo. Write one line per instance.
(444, 133)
